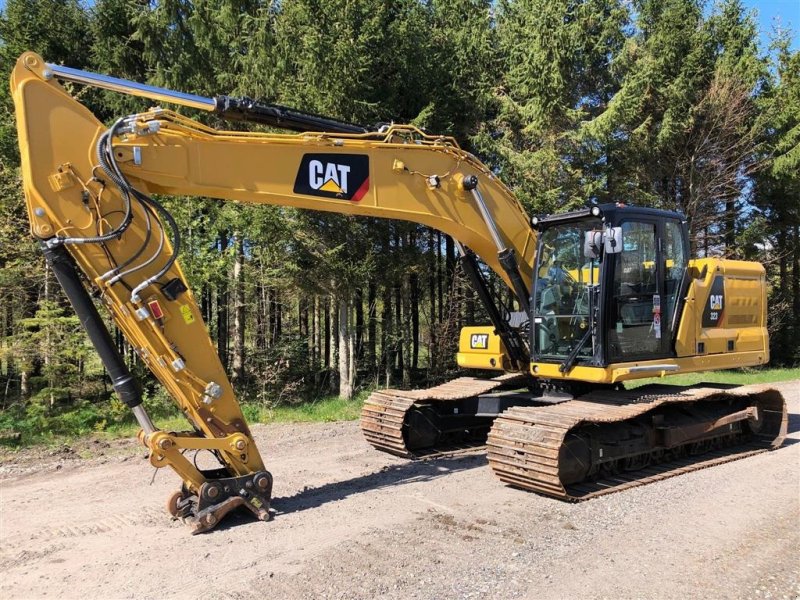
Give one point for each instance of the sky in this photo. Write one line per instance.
(769, 13)
(773, 12)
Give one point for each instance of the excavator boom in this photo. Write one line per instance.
(90, 191)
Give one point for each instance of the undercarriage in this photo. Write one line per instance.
(578, 446)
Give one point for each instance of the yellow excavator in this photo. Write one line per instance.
(602, 295)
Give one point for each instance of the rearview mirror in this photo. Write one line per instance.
(595, 241)
(613, 240)
(592, 244)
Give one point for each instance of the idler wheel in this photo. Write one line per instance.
(574, 459)
(422, 429)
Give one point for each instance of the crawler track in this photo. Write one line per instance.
(384, 416)
(525, 445)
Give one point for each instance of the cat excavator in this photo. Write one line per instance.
(600, 296)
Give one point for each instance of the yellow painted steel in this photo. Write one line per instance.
(739, 338)
(66, 196)
(617, 372)
(744, 319)
(481, 348)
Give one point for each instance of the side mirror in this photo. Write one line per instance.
(592, 244)
(613, 240)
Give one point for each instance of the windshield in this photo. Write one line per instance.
(565, 281)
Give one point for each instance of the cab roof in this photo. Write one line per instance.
(611, 211)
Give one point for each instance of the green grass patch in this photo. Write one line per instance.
(735, 377)
(322, 410)
(109, 420)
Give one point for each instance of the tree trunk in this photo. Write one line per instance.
(205, 303)
(327, 332)
(470, 304)
(431, 295)
(222, 308)
(315, 339)
(359, 330)
(730, 228)
(8, 335)
(345, 365)
(334, 338)
(47, 342)
(450, 259)
(372, 301)
(238, 312)
(387, 342)
(407, 332)
(796, 274)
(261, 319)
(783, 263)
(413, 280)
(353, 363)
(398, 324)
(439, 277)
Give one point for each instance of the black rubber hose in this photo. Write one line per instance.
(103, 146)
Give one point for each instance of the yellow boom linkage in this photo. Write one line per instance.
(74, 197)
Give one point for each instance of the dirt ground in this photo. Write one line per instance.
(355, 523)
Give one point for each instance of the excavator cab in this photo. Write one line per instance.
(607, 286)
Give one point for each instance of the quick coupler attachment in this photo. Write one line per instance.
(219, 496)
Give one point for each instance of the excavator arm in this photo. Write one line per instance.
(90, 192)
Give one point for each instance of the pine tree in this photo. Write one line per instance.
(555, 74)
(776, 193)
(56, 29)
(683, 121)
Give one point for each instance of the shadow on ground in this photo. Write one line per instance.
(401, 474)
(794, 422)
(395, 475)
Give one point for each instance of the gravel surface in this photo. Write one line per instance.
(355, 523)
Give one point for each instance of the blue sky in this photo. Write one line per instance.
(769, 13)
(773, 12)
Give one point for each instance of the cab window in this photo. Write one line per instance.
(634, 327)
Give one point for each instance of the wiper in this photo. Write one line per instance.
(573, 356)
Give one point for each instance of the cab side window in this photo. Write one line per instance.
(632, 328)
(674, 270)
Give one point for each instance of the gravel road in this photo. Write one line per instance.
(354, 523)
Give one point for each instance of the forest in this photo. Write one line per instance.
(665, 103)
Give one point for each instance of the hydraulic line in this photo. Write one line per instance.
(105, 139)
(176, 244)
(117, 273)
(109, 164)
(156, 254)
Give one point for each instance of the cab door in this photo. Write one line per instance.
(646, 287)
(675, 251)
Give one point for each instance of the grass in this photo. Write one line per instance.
(322, 410)
(93, 419)
(737, 377)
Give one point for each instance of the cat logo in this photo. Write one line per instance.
(341, 176)
(479, 341)
(715, 307)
